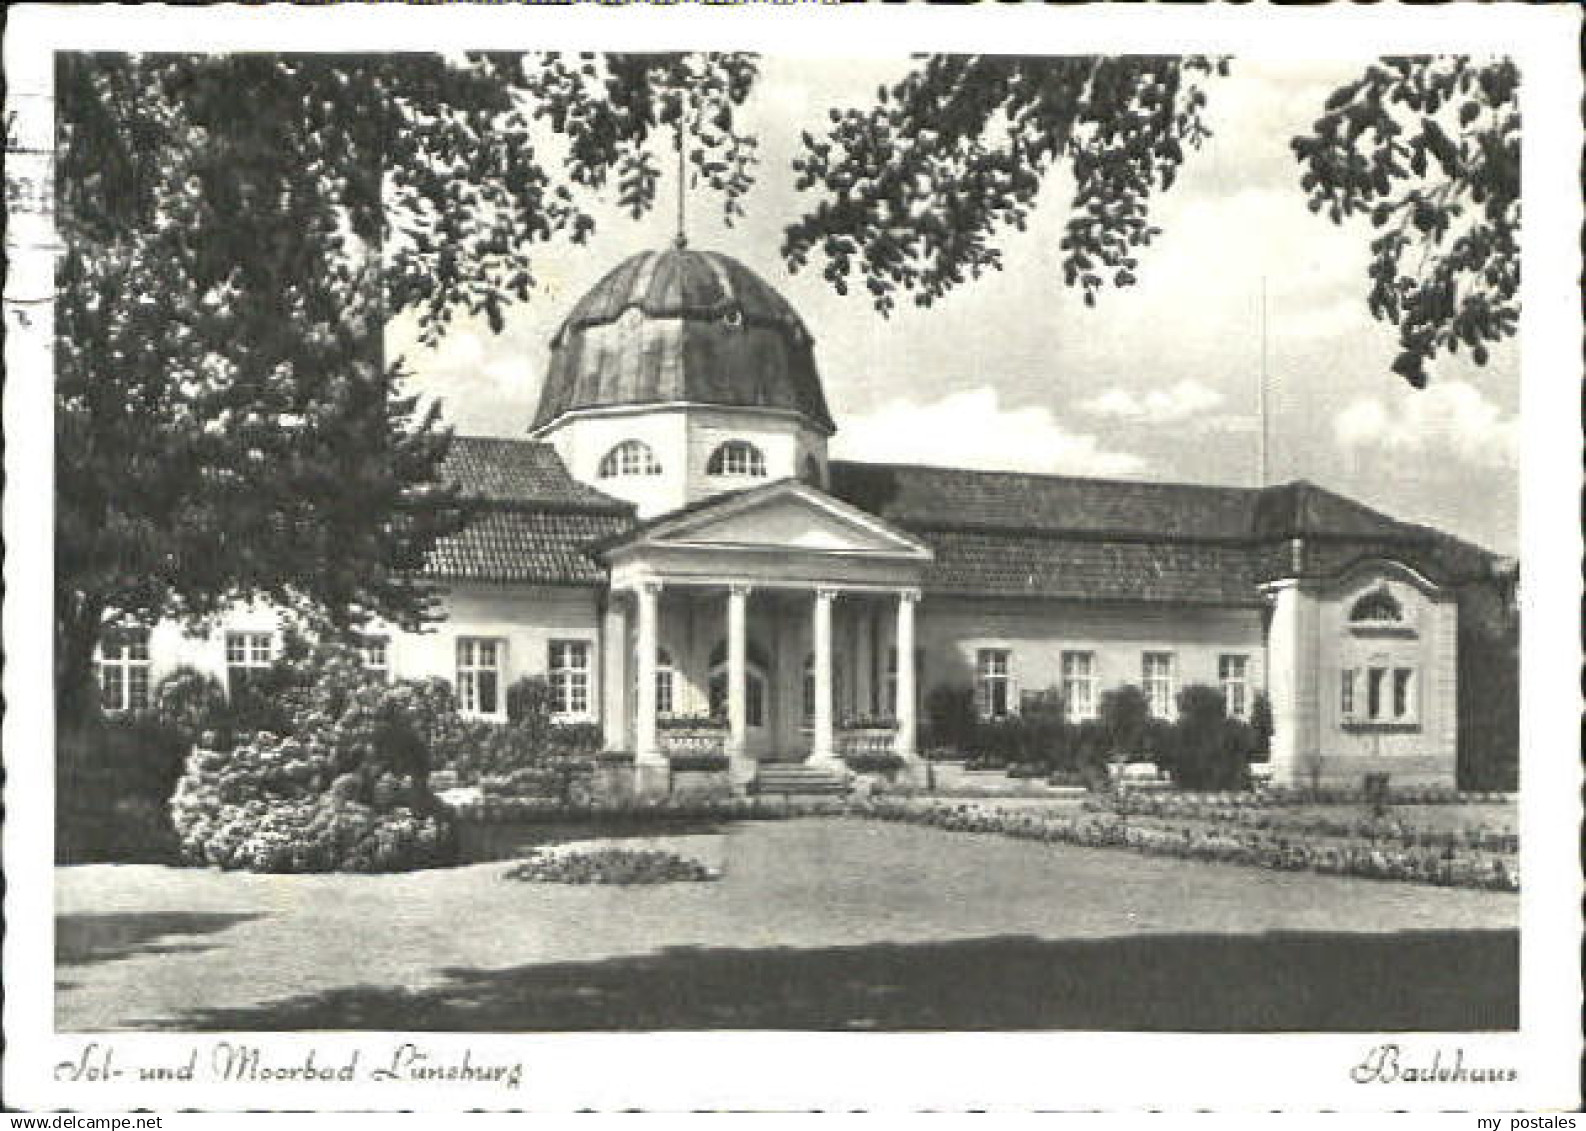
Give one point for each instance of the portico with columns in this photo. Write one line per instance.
(786, 612)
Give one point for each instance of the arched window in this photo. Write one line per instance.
(736, 457)
(1376, 607)
(631, 457)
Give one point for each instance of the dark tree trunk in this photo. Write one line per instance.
(78, 620)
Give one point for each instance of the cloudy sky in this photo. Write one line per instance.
(1157, 382)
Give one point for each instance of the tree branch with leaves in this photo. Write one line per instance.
(1428, 149)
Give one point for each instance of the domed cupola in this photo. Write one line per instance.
(680, 375)
(682, 326)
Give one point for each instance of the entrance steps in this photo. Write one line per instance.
(794, 779)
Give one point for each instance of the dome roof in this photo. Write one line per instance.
(682, 325)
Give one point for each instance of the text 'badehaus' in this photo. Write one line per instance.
(670, 542)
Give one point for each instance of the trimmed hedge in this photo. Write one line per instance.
(874, 762)
(113, 781)
(688, 761)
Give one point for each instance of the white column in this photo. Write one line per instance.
(737, 670)
(647, 745)
(614, 685)
(860, 660)
(823, 748)
(907, 722)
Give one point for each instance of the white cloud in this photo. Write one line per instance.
(1446, 415)
(1177, 402)
(972, 429)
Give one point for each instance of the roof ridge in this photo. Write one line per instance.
(1057, 477)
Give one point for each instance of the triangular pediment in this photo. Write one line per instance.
(788, 515)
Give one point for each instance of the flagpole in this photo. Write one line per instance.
(1263, 386)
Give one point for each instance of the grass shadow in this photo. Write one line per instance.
(1409, 981)
(81, 940)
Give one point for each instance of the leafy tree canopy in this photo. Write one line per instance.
(913, 190)
(1429, 149)
(237, 229)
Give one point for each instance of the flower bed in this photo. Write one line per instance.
(609, 866)
(1481, 838)
(708, 808)
(1445, 868)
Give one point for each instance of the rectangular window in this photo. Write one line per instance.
(1233, 674)
(377, 655)
(1389, 695)
(1375, 678)
(569, 676)
(1079, 685)
(1346, 693)
(1403, 694)
(479, 662)
(123, 664)
(1156, 679)
(993, 685)
(247, 654)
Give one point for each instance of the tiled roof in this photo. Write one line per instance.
(529, 521)
(543, 547)
(1008, 533)
(520, 472)
(1003, 564)
(999, 534)
(1006, 500)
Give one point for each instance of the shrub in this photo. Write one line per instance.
(529, 700)
(1125, 720)
(192, 703)
(1204, 748)
(346, 789)
(685, 761)
(952, 717)
(280, 804)
(874, 762)
(113, 780)
(1261, 727)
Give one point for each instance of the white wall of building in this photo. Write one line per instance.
(1037, 633)
(683, 437)
(1314, 642)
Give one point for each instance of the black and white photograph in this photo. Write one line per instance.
(812, 557)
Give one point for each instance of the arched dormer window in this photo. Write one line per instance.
(631, 457)
(737, 457)
(1378, 607)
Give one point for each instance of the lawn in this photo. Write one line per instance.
(825, 923)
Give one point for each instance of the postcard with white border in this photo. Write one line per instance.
(792, 557)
